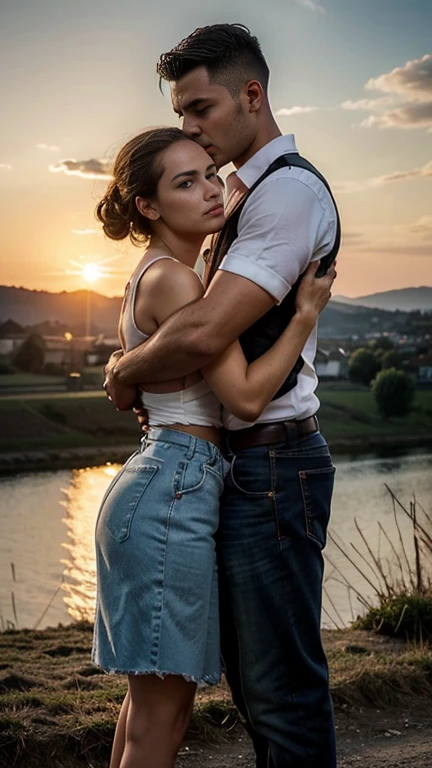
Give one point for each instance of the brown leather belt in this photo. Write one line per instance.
(273, 432)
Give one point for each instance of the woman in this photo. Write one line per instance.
(157, 606)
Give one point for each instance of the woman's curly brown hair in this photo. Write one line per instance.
(137, 170)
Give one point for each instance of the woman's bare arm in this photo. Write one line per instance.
(245, 389)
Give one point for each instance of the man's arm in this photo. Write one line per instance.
(281, 229)
(197, 333)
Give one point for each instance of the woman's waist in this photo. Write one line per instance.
(187, 394)
(195, 406)
(209, 433)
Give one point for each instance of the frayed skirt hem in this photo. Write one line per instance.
(204, 680)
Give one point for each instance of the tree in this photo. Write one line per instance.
(394, 392)
(5, 367)
(363, 366)
(31, 354)
(380, 345)
(391, 359)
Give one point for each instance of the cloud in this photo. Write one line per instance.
(86, 231)
(311, 6)
(411, 85)
(287, 111)
(413, 80)
(367, 104)
(86, 169)
(352, 238)
(49, 147)
(423, 226)
(412, 114)
(379, 181)
(396, 248)
(5, 166)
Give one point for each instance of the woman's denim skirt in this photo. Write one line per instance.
(157, 593)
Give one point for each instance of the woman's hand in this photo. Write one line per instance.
(314, 293)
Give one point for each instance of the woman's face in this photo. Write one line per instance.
(189, 196)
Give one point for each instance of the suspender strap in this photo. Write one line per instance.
(264, 332)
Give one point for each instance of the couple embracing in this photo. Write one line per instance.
(209, 540)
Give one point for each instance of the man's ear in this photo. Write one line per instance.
(147, 209)
(254, 95)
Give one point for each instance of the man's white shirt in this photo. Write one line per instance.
(287, 222)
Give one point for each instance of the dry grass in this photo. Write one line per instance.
(56, 709)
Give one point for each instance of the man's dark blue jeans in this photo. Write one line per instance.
(274, 516)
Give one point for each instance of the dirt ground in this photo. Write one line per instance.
(58, 711)
(370, 738)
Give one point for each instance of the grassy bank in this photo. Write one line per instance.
(348, 417)
(57, 709)
(351, 416)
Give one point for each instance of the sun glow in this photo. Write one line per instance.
(91, 273)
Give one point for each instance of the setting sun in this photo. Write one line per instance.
(91, 273)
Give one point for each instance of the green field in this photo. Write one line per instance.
(91, 376)
(348, 417)
(28, 380)
(353, 414)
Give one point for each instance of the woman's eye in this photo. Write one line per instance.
(211, 175)
(185, 184)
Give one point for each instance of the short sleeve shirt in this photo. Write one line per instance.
(287, 222)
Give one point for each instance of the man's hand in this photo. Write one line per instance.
(123, 397)
(142, 417)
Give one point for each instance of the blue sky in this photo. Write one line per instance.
(79, 79)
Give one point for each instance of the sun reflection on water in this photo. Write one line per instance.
(82, 501)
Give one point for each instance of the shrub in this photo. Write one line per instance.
(401, 603)
(405, 616)
(394, 392)
(363, 366)
(381, 345)
(391, 359)
(5, 367)
(30, 356)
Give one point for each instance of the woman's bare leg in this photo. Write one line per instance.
(119, 736)
(157, 718)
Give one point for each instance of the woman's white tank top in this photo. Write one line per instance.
(194, 405)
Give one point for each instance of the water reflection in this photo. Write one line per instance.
(47, 522)
(83, 497)
(363, 516)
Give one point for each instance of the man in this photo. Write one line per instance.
(276, 505)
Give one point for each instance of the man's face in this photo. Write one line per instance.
(212, 117)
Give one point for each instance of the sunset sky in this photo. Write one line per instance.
(352, 79)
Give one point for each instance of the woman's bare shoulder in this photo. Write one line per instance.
(170, 285)
(167, 275)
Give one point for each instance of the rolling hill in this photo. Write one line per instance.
(404, 299)
(340, 318)
(33, 307)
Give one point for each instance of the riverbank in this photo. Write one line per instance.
(58, 710)
(60, 430)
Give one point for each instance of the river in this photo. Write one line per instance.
(47, 566)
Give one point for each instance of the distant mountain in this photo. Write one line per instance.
(34, 307)
(405, 299)
(339, 320)
(53, 313)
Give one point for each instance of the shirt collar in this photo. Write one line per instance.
(250, 172)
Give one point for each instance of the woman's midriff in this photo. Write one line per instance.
(212, 434)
